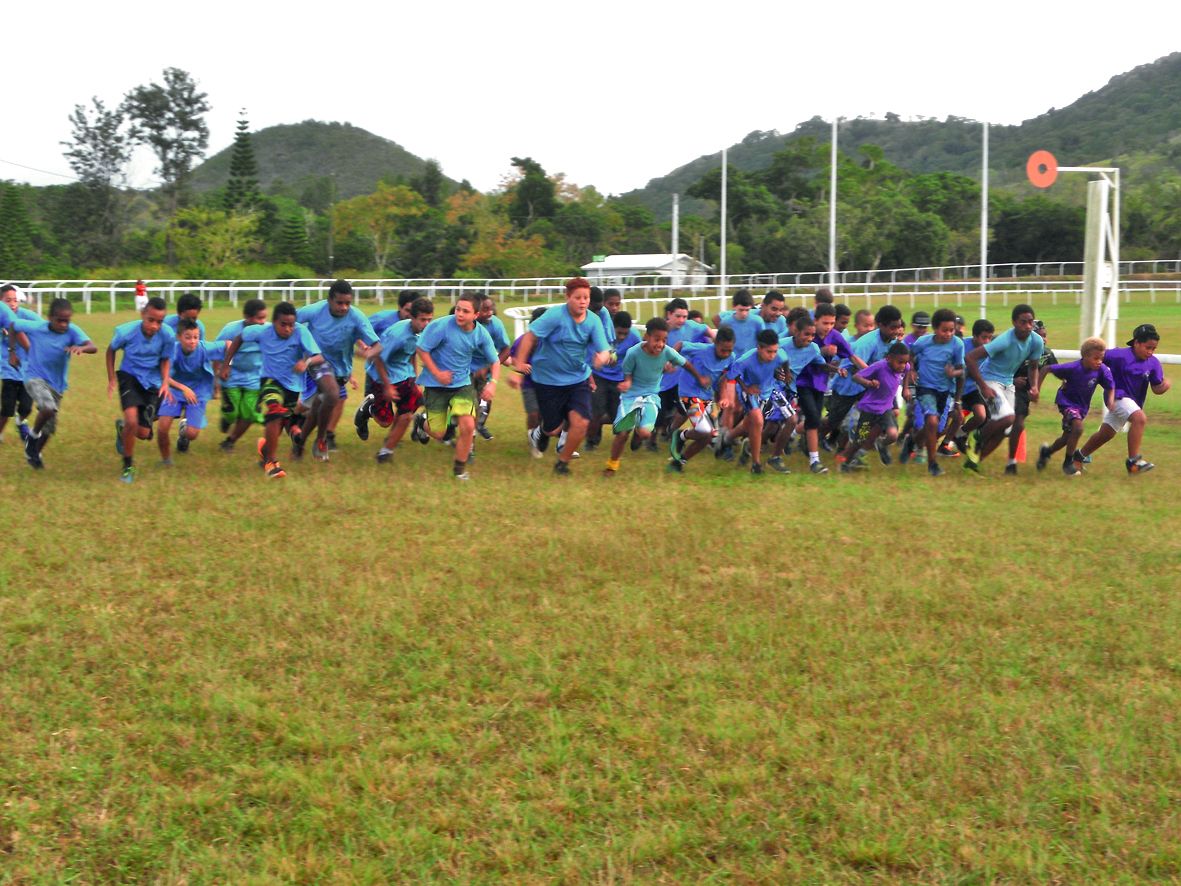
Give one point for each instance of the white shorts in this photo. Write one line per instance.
(1125, 408)
(1001, 405)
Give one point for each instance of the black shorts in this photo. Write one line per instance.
(972, 399)
(811, 401)
(14, 399)
(1021, 402)
(605, 399)
(133, 395)
(670, 402)
(555, 402)
(838, 409)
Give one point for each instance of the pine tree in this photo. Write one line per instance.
(242, 194)
(293, 239)
(16, 238)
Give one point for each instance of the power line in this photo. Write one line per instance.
(35, 169)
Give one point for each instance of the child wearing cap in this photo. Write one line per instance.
(1135, 369)
(1079, 378)
(920, 325)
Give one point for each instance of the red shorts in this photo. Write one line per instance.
(383, 410)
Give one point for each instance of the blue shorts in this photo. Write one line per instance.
(932, 402)
(316, 373)
(194, 413)
(636, 412)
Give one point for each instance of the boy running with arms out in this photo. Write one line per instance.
(639, 400)
(1079, 379)
(239, 394)
(561, 338)
(939, 358)
(811, 379)
(288, 350)
(1135, 370)
(1007, 353)
(192, 375)
(51, 345)
(142, 378)
(391, 396)
(335, 325)
(447, 350)
(882, 380)
(713, 361)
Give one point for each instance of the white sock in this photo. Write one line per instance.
(813, 457)
(35, 434)
(1012, 461)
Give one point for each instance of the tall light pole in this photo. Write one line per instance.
(832, 211)
(984, 228)
(722, 238)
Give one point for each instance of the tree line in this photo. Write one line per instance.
(534, 224)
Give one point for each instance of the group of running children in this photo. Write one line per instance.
(758, 380)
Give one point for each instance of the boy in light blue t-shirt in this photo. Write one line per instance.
(639, 392)
(51, 345)
(192, 377)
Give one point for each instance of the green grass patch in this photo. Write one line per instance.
(372, 673)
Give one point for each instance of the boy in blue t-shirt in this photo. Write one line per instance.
(554, 351)
(447, 350)
(142, 378)
(606, 379)
(192, 375)
(239, 394)
(51, 344)
(1008, 353)
(188, 307)
(14, 399)
(639, 397)
(939, 360)
(755, 373)
(956, 440)
(288, 350)
(714, 362)
(743, 319)
(336, 326)
(391, 395)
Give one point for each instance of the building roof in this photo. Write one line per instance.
(655, 261)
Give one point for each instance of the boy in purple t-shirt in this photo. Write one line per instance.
(1135, 369)
(1079, 378)
(877, 426)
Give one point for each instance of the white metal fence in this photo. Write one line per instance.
(1155, 280)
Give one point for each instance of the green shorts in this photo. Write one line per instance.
(444, 403)
(238, 404)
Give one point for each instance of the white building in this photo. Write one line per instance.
(685, 269)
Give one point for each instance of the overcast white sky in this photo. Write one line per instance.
(611, 93)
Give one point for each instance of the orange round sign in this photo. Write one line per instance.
(1042, 169)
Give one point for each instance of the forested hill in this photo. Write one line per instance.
(1139, 111)
(299, 153)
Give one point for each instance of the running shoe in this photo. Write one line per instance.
(119, 438)
(1138, 465)
(1043, 456)
(883, 452)
(561, 469)
(321, 449)
(331, 440)
(275, 471)
(128, 475)
(935, 469)
(384, 455)
(182, 439)
(33, 453)
(538, 442)
(777, 464)
(361, 417)
(817, 468)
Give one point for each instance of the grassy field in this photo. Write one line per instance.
(366, 673)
